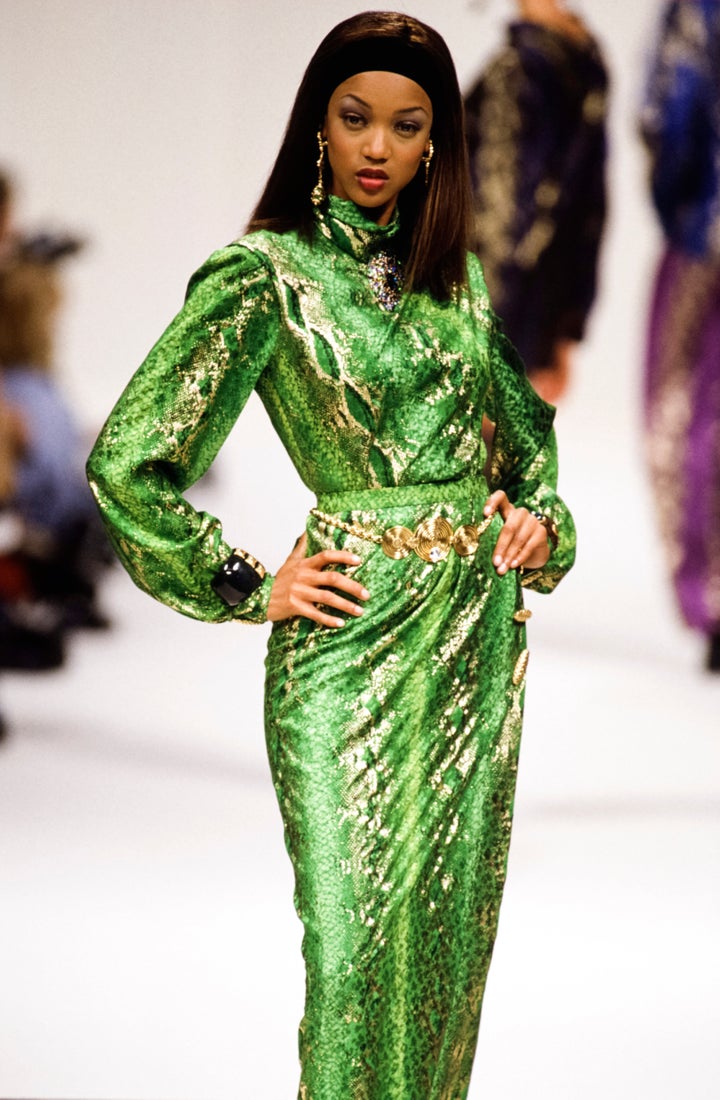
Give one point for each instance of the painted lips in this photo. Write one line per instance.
(372, 181)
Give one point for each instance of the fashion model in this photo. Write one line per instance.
(396, 662)
(535, 123)
(681, 128)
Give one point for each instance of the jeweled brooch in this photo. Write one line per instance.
(385, 275)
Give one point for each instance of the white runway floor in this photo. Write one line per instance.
(148, 945)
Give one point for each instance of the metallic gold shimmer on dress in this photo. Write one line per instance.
(393, 741)
(520, 667)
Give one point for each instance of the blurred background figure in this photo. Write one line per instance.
(51, 546)
(536, 135)
(681, 126)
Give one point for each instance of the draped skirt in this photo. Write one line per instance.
(393, 745)
(682, 418)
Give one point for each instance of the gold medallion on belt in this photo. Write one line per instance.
(432, 540)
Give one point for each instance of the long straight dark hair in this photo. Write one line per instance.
(435, 219)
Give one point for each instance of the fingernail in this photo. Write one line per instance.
(502, 568)
(514, 563)
(355, 559)
(365, 595)
(497, 560)
(339, 622)
(358, 610)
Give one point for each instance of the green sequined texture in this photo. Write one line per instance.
(393, 741)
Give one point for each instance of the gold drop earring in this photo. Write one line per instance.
(317, 196)
(429, 154)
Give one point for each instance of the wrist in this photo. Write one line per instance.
(551, 531)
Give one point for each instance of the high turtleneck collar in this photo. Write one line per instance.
(341, 221)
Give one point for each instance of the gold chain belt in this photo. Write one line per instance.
(432, 540)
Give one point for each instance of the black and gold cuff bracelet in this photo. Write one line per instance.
(238, 577)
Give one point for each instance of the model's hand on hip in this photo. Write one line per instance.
(523, 539)
(304, 586)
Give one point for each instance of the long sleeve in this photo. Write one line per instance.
(524, 456)
(169, 425)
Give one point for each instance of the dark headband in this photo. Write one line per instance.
(389, 55)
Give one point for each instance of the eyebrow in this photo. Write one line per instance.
(400, 111)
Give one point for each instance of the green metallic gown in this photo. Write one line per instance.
(393, 741)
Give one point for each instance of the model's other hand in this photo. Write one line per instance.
(309, 586)
(523, 539)
(552, 381)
